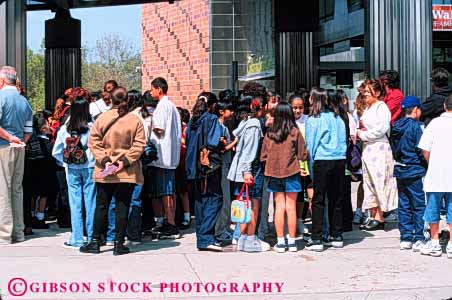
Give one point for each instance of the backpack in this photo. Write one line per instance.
(150, 154)
(33, 149)
(75, 152)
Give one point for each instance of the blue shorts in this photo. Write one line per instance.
(254, 191)
(434, 205)
(290, 184)
(162, 182)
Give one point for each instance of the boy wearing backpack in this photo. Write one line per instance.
(409, 170)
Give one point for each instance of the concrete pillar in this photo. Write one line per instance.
(399, 37)
(297, 61)
(62, 55)
(13, 37)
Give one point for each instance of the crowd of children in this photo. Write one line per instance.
(128, 166)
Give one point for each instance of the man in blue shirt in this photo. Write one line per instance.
(16, 126)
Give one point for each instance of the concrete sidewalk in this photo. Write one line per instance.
(370, 266)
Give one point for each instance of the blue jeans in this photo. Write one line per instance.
(207, 209)
(411, 209)
(134, 225)
(81, 187)
(434, 205)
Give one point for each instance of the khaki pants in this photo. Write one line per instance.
(11, 194)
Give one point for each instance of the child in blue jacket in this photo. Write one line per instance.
(410, 168)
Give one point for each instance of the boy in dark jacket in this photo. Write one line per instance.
(410, 168)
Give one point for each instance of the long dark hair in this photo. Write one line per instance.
(337, 107)
(319, 100)
(80, 116)
(199, 109)
(120, 98)
(283, 123)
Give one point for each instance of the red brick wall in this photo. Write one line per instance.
(175, 42)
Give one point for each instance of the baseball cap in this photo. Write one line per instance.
(411, 101)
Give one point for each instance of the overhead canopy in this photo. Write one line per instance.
(68, 4)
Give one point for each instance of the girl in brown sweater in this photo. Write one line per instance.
(282, 150)
(117, 141)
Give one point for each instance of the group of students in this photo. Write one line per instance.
(129, 160)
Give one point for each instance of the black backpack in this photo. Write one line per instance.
(75, 152)
(34, 149)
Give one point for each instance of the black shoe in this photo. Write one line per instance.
(159, 228)
(28, 231)
(337, 242)
(184, 225)
(326, 242)
(169, 232)
(373, 226)
(314, 245)
(91, 247)
(120, 249)
(39, 224)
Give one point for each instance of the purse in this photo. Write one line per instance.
(241, 208)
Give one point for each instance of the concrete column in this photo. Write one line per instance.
(62, 56)
(13, 37)
(297, 61)
(399, 37)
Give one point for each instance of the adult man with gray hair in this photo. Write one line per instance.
(16, 127)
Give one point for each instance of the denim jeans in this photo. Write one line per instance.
(134, 223)
(262, 218)
(207, 209)
(434, 206)
(411, 209)
(81, 188)
(224, 219)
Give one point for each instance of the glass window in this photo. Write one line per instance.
(442, 1)
(326, 9)
(355, 5)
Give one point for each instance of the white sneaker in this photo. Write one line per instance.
(109, 243)
(449, 250)
(418, 246)
(406, 245)
(241, 242)
(278, 248)
(255, 245)
(432, 250)
(292, 247)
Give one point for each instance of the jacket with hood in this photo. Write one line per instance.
(250, 137)
(203, 133)
(405, 137)
(433, 107)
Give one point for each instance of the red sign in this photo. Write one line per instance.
(442, 17)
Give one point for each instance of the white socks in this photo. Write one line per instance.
(435, 242)
(282, 240)
(187, 216)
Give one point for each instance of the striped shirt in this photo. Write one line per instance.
(16, 115)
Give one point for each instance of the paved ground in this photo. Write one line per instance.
(370, 266)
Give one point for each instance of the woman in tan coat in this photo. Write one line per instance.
(117, 141)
